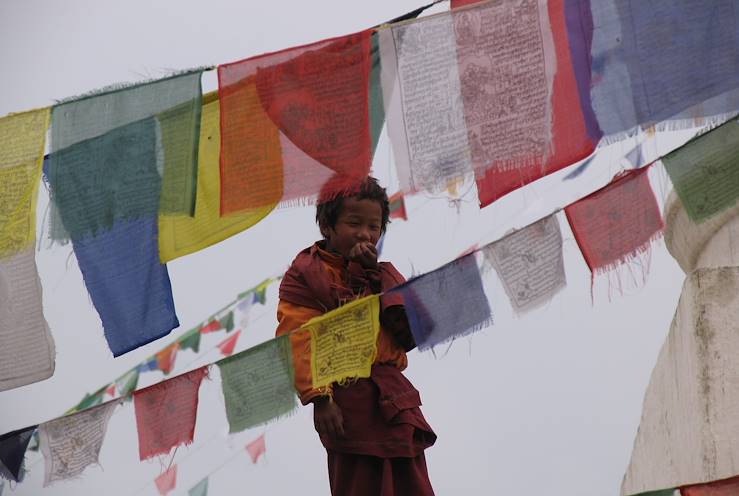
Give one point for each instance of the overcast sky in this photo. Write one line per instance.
(547, 403)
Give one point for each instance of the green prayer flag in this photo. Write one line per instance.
(258, 384)
(91, 400)
(662, 492)
(705, 172)
(227, 322)
(126, 384)
(191, 340)
(200, 489)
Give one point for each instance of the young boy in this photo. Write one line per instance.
(373, 429)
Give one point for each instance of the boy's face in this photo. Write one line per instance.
(359, 221)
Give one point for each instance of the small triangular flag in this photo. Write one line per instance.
(227, 346)
(256, 448)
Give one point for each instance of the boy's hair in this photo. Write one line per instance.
(330, 202)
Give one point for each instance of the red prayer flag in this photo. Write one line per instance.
(256, 448)
(167, 481)
(617, 222)
(167, 357)
(212, 326)
(290, 120)
(397, 206)
(574, 132)
(166, 413)
(726, 487)
(227, 346)
(111, 390)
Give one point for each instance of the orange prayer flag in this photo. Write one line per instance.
(167, 357)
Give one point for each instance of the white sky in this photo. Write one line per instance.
(547, 403)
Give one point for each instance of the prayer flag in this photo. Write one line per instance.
(705, 172)
(90, 400)
(397, 206)
(128, 286)
(529, 263)
(227, 322)
(181, 235)
(69, 444)
(344, 341)
(167, 481)
(292, 119)
(256, 448)
(27, 350)
(446, 303)
(191, 340)
(199, 489)
(227, 346)
(726, 487)
(166, 358)
(23, 137)
(166, 413)
(487, 102)
(111, 390)
(126, 153)
(127, 383)
(149, 365)
(258, 384)
(616, 223)
(662, 60)
(13, 451)
(212, 326)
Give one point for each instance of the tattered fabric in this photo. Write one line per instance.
(165, 113)
(166, 413)
(181, 235)
(23, 137)
(446, 303)
(292, 119)
(529, 263)
(69, 444)
(258, 384)
(343, 342)
(27, 351)
(13, 451)
(617, 222)
(128, 286)
(705, 172)
(658, 60)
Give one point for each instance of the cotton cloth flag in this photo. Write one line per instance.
(726, 487)
(662, 59)
(212, 326)
(256, 448)
(705, 172)
(258, 384)
(397, 206)
(26, 346)
(69, 444)
(344, 341)
(125, 153)
(27, 351)
(166, 358)
(199, 489)
(616, 223)
(227, 346)
(446, 303)
(290, 120)
(149, 365)
(166, 413)
(126, 384)
(13, 452)
(181, 235)
(529, 264)
(128, 286)
(191, 340)
(447, 121)
(227, 321)
(167, 481)
(23, 137)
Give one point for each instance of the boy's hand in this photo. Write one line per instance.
(327, 418)
(365, 253)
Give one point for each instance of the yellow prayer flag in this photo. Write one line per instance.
(22, 141)
(344, 341)
(181, 235)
